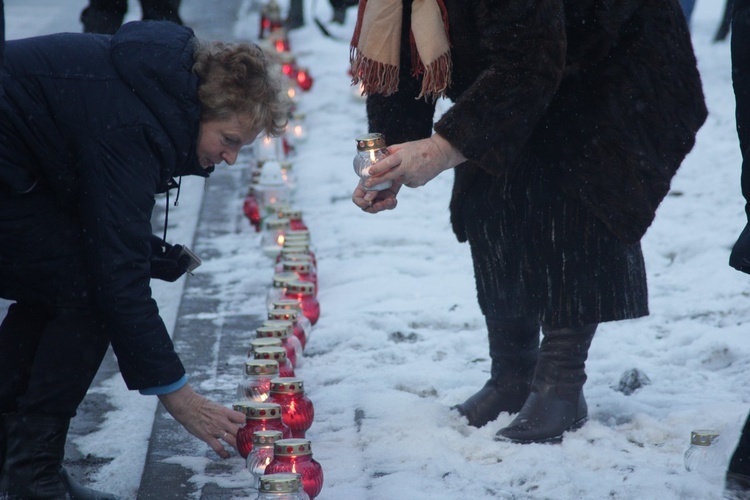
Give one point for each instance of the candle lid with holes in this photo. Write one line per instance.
(287, 385)
(292, 447)
(266, 438)
(280, 483)
(370, 141)
(280, 329)
(272, 352)
(269, 367)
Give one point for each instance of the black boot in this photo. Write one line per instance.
(556, 403)
(35, 446)
(514, 347)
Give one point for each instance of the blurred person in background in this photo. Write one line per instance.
(92, 127)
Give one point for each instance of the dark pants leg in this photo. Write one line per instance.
(103, 16)
(161, 10)
(49, 356)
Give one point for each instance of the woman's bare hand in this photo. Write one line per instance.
(415, 163)
(376, 201)
(204, 419)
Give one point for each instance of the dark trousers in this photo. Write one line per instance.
(48, 358)
(106, 16)
(740, 463)
(51, 342)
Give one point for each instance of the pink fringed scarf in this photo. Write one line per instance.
(375, 47)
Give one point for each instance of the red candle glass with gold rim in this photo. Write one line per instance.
(294, 305)
(279, 354)
(293, 316)
(258, 417)
(304, 293)
(295, 455)
(297, 410)
(283, 330)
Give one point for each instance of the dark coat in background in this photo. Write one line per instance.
(102, 124)
(598, 101)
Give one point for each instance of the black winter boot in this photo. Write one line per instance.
(33, 461)
(556, 403)
(514, 348)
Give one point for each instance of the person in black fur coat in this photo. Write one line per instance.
(738, 471)
(569, 120)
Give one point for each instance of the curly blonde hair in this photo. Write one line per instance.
(235, 79)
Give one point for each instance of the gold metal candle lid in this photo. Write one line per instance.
(266, 438)
(703, 437)
(280, 329)
(292, 447)
(284, 314)
(274, 352)
(277, 224)
(264, 342)
(296, 266)
(268, 367)
(280, 483)
(287, 304)
(259, 411)
(281, 279)
(287, 385)
(370, 141)
(303, 287)
(289, 213)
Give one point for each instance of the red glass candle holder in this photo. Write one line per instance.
(304, 80)
(297, 410)
(304, 293)
(283, 330)
(301, 269)
(294, 305)
(258, 343)
(295, 455)
(251, 209)
(293, 316)
(279, 354)
(258, 417)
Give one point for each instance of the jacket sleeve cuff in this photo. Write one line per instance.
(165, 389)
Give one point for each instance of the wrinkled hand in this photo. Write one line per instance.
(376, 201)
(204, 419)
(412, 164)
(166, 262)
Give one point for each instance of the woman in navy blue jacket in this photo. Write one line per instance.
(92, 127)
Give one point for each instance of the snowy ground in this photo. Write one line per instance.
(401, 338)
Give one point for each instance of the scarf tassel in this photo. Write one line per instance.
(376, 77)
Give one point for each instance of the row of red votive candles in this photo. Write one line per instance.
(271, 395)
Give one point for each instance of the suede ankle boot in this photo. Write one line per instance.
(35, 446)
(514, 348)
(555, 403)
